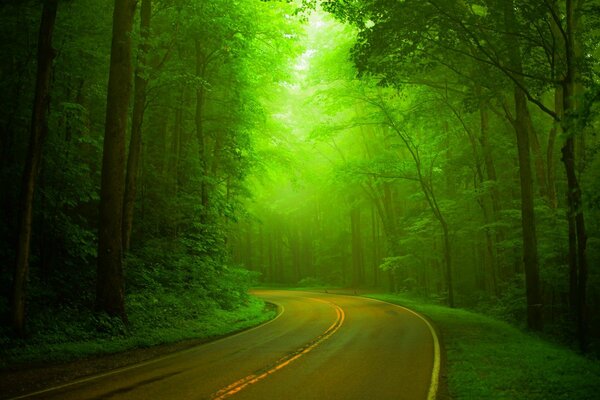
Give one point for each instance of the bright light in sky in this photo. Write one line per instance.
(304, 61)
(314, 25)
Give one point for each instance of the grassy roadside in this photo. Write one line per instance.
(214, 322)
(490, 359)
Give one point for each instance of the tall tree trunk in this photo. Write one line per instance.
(551, 168)
(200, 136)
(135, 144)
(494, 196)
(357, 251)
(110, 290)
(573, 90)
(375, 246)
(249, 251)
(538, 158)
(522, 129)
(261, 257)
(32, 163)
(176, 142)
(447, 261)
(216, 156)
(530, 256)
(294, 242)
(427, 189)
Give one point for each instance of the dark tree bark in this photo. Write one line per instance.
(551, 146)
(530, 256)
(357, 250)
(201, 64)
(572, 90)
(32, 164)
(110, 290)
(522, 125)
(538, 160)
(375, 247)
(176, 142)
(490, 169)
(135, 144)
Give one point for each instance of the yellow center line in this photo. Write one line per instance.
(239, 385)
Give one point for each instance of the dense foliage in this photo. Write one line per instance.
(201, 79)
(440, 148)
(444, 148)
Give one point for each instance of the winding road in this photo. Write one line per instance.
(320, 346)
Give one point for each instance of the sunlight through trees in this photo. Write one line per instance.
(160, 157)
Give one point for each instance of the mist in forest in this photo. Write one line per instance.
(158, 158)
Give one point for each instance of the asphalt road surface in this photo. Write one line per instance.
(320, 346)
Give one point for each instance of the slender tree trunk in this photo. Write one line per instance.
(216, 156)
(522, 130)
(357, 251)
(551, 168)
(32, 164)
(494, 196)
(200, 73)
(135, 144)
(572, 253)
(489, 259)
(294, 240)
(538, 158)
(448, 263)
(249, 252)
(489, 166)
(530, 256)
(176, 142)
(427, 188)
(375, 247)
(270, 274)
(383, 206)
(573, 90)
(110, 290)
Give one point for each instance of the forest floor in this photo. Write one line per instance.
(18, 377)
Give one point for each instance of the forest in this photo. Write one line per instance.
(158, 158)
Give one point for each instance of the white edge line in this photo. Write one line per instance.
(435, 373)
(152, 361)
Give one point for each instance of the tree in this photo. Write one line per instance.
(521, 123)
(424, 176)
(110, 290)
(139, 105)
(45, 55)
(572, 89)
(395, 49)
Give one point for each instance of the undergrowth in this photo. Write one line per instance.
(178, 297)
(66, 338)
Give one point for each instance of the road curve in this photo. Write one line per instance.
(321, 346)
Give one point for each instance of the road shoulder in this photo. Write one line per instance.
(31, 377)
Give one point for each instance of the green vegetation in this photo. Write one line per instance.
(65, 337)
(422, 148)
(118, 200)
(159, 157)
(490, 359)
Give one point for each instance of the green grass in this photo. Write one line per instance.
(63, 346)
(490, 359)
